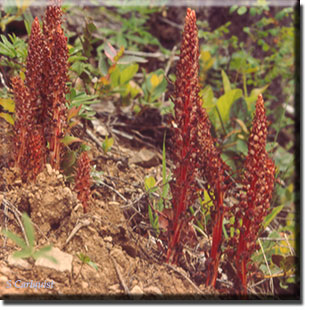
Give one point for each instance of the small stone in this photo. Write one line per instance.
(18, 262)
(114, 288)
(84, 285)
(108, 239)
(153, 290)
(145, 158)
(49, 169)
(109, 245)
(5, 270)
(137, 291)
(64, 261)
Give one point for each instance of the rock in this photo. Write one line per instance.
(49, 169)
(115, 288)
(64, 261)
(84, 285)
(18, 262)
(136, 291)
(5, 270)
(152, 290)
(108, 239)
(145, 158)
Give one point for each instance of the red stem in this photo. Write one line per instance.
(216, 239)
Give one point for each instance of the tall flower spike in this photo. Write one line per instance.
(216, 173)
(258, 183)
(83, 181)
(186, 96)
(22, 117)
(34, 68)
(55, 75)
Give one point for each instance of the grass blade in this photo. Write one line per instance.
(28, 229)
(19, 241)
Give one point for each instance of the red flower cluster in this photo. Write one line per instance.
(186, 96)
(83, 180)
(254, 202)
(40, 99)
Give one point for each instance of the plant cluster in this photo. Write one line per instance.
(42, 118)
(40, 99)
(195, 153)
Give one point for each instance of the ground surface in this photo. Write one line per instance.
(130, 263)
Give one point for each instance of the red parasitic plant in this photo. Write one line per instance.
(257, 188)
(83, 180)
(40, 117)
(55, 75)
(216, 174)
(186, 95)
(195, 151)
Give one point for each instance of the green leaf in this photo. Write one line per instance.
(269, 218)
(7, 117)
(164, 171)
(128, 73)
(19, 241)
(149, 183)
(233, 8)
(107, 144)
(225, 102)
(207, 98)
(242, 10)
(24, 253)
(43, 252)
(129, 59)
(8, 104)
(28, 229)
(253, 97)
(51, 258)
(151, 216)
(67, 140)
(226, 82)
(93, 265)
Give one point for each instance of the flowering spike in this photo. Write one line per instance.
(55, 74)
(34, 67)
(258, 183)
(186, 96)
(82, 180)
(22, 118)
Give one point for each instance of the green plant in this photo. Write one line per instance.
(107, 144)
(85, 260)
(159, 202)
(118, 77)
(28, 246)
(14, 12)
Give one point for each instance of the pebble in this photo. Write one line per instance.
(152, 290)
(49, 169)
(108, 239)
(136, 290)
(18, 262)
(64, 261)
(84, 285)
